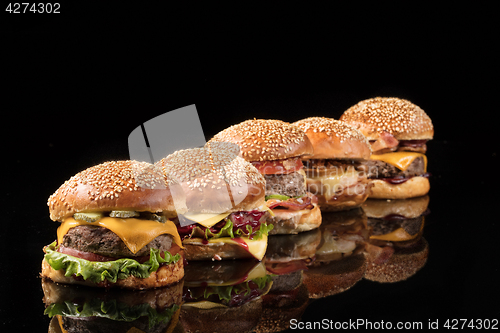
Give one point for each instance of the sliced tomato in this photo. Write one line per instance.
(284, 166)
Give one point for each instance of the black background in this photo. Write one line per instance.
(76, 84)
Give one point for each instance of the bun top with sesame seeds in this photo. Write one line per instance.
(398, 117)
(115, 185)
(266, 140)
(215, 180)
(334, 139)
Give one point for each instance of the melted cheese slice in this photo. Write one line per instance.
(334, 182)
(206, 220)
(135, 233)
(400, 159)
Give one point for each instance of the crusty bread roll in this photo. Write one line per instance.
(333, 139)
(413, 187)
(398, 117)
(114, 185)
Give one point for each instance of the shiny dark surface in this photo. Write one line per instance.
(76, 89)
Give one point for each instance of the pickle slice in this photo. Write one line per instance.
(88, 217)
(123, 213)
(154, 217)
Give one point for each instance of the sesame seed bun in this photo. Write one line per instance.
(215, 180)
(413, 187)
(399, 117)
(115, 185)
(266, 140)
(334, 139)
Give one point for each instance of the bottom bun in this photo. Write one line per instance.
(342, 202)
(288, 222)
(164, 276)
(414, 187)
(330, 278)
(404, 263)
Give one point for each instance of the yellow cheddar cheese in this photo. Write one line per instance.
(400, 159)
(135, 233)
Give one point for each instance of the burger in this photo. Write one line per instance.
(340, 260)
(275, 148)
(396, 249)
(333, 172)
(115, 229)
(223, 296)
(398, 131)
(85, 309)
(226, 215)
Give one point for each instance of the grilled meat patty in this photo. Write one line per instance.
(104, 242)
(291, 184)
(379, 169)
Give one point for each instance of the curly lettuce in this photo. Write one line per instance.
(112, 310)
(97, 271)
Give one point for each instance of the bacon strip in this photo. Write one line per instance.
(306, 202)
(385, 140)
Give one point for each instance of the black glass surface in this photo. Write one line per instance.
(77, 86)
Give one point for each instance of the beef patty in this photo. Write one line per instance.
(291, 184)
(379, 169)
(104, 242)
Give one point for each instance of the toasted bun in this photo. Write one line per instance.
(195, 249)
(334, 139)
(335, 277)
(215, 180)
(404, 263)
(292, 222)
(414, 187)
(164, 276)
(399, 117)
(116, 185)
(409, 208)
(266, 140)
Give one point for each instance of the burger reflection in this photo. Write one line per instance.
(396, 250)
(340, 261)
(287, 257)
(84, 309)
(223, 296)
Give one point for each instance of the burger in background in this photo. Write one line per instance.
(115, 229)
(223, 296)
(333, 172)
(398, 131)
(340, 260)
(226, 212)
(396, 249)
(275, 148)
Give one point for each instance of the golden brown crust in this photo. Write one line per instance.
(334, 139)
(215, 180)
(266, 140)
(115, 185)
(399, 117)
(164, 276)
(288, 222)
(413, 187)
(335, 277)
(403, 264)
(409, 208)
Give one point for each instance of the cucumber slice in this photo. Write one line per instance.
(277, 196)
(123, 213)
(88, 217)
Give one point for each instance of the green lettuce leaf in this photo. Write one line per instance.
(97, 271)
(112, 310)
(228, 231)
